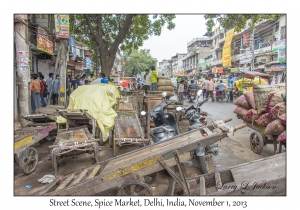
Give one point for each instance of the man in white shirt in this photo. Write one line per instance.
(146, 81)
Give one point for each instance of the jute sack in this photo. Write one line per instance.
(274, 128)
(251, 115)
(264, 120)
(249, 95)
(282, 136)
(261, 93)
(277, 110)
(282, 119)
(169, 94)
(163, 78)
(240, 111)
(165, 83)
(273, 99)
(165, 88)
(242, 101)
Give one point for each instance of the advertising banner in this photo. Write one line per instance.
(278, 67)
(246, 58)
(62, 26)
(278, 45)
(44, 44)
(281, 56)
(88, 63)
(73, 45)
(226, 54)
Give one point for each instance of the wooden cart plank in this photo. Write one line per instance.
(202, 186)
(94, 172)
(65, 182)
(269, 169)
(80, 176)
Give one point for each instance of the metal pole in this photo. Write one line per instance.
(55, 70)
(62, 75)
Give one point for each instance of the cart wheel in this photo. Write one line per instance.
(135, 188)
(150, 178)
(28, 160)
(101, 139)
(111, 138)
(256, 142)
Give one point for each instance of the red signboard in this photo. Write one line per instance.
(44, 44)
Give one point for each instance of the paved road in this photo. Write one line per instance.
(233, 151)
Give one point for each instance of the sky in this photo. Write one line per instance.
(175, 41)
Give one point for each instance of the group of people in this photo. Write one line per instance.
(40, 90)
(150, 80)
(208, 86)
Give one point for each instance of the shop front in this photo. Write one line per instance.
(279, 72)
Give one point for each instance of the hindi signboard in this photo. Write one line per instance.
(44, 44)
(62, 26)
(278, 45)
(226, 54)
(281, 56)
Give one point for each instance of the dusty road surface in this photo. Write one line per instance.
(232, 151)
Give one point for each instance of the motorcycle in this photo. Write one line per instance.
(202, 154)
(165, 124)
(191, 95)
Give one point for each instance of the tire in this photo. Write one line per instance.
(136, 189)
(111, 138)
(203, 164)
(256, 142)
(28, 160)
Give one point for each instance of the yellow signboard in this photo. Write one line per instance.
(62, 26)
(44, 44)
(226, 54)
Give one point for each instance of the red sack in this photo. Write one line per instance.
(242, 101)
(249, 95)
(264, 120)
(282, 119)
(282, 136)
(274, 128)
(240, 111)
(251, 115)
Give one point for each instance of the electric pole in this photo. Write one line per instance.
(23, 68)
(63, 74)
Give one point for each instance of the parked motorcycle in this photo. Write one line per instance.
(165, 124)
(202, 154)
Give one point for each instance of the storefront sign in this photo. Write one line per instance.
(281, 56)
(214, 70)
(244, 68)
(246, 38)
(88, 63)
(234, 70)
(278, 67)
(278, 45)
(226, 54)
(62, 26)
(43, 32)
(246, 58)
(44, 44)
(220, 69)
(73, 45)
(263, 50)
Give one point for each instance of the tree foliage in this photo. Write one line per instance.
(104, 33)
(138, 61)
(237, 20)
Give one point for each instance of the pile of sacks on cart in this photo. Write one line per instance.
(265, 105)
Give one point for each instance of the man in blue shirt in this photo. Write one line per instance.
(221, 88)
(76, 82)
(55, 90)
(48, 83)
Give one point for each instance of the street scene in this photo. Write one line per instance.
(100, 110)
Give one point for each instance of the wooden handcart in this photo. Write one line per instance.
(72, 142)
(258, 139)
(24, 138)
(130, 170)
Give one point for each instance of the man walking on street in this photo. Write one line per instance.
(55, 90)
(35, 88)
(91, 78)
(146, 81)
(49, 82)
(43, 92)
(153, 78)
(75, 83)
(210, 87)
(204, 84)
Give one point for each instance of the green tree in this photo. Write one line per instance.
(139, 61)
(104, 34)
(237, 20)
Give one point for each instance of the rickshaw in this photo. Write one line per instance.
(249, 79)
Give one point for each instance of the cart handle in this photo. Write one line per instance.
(227, 120)
(240, 127)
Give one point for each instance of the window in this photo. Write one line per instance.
(283, 32)
(81, 53)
